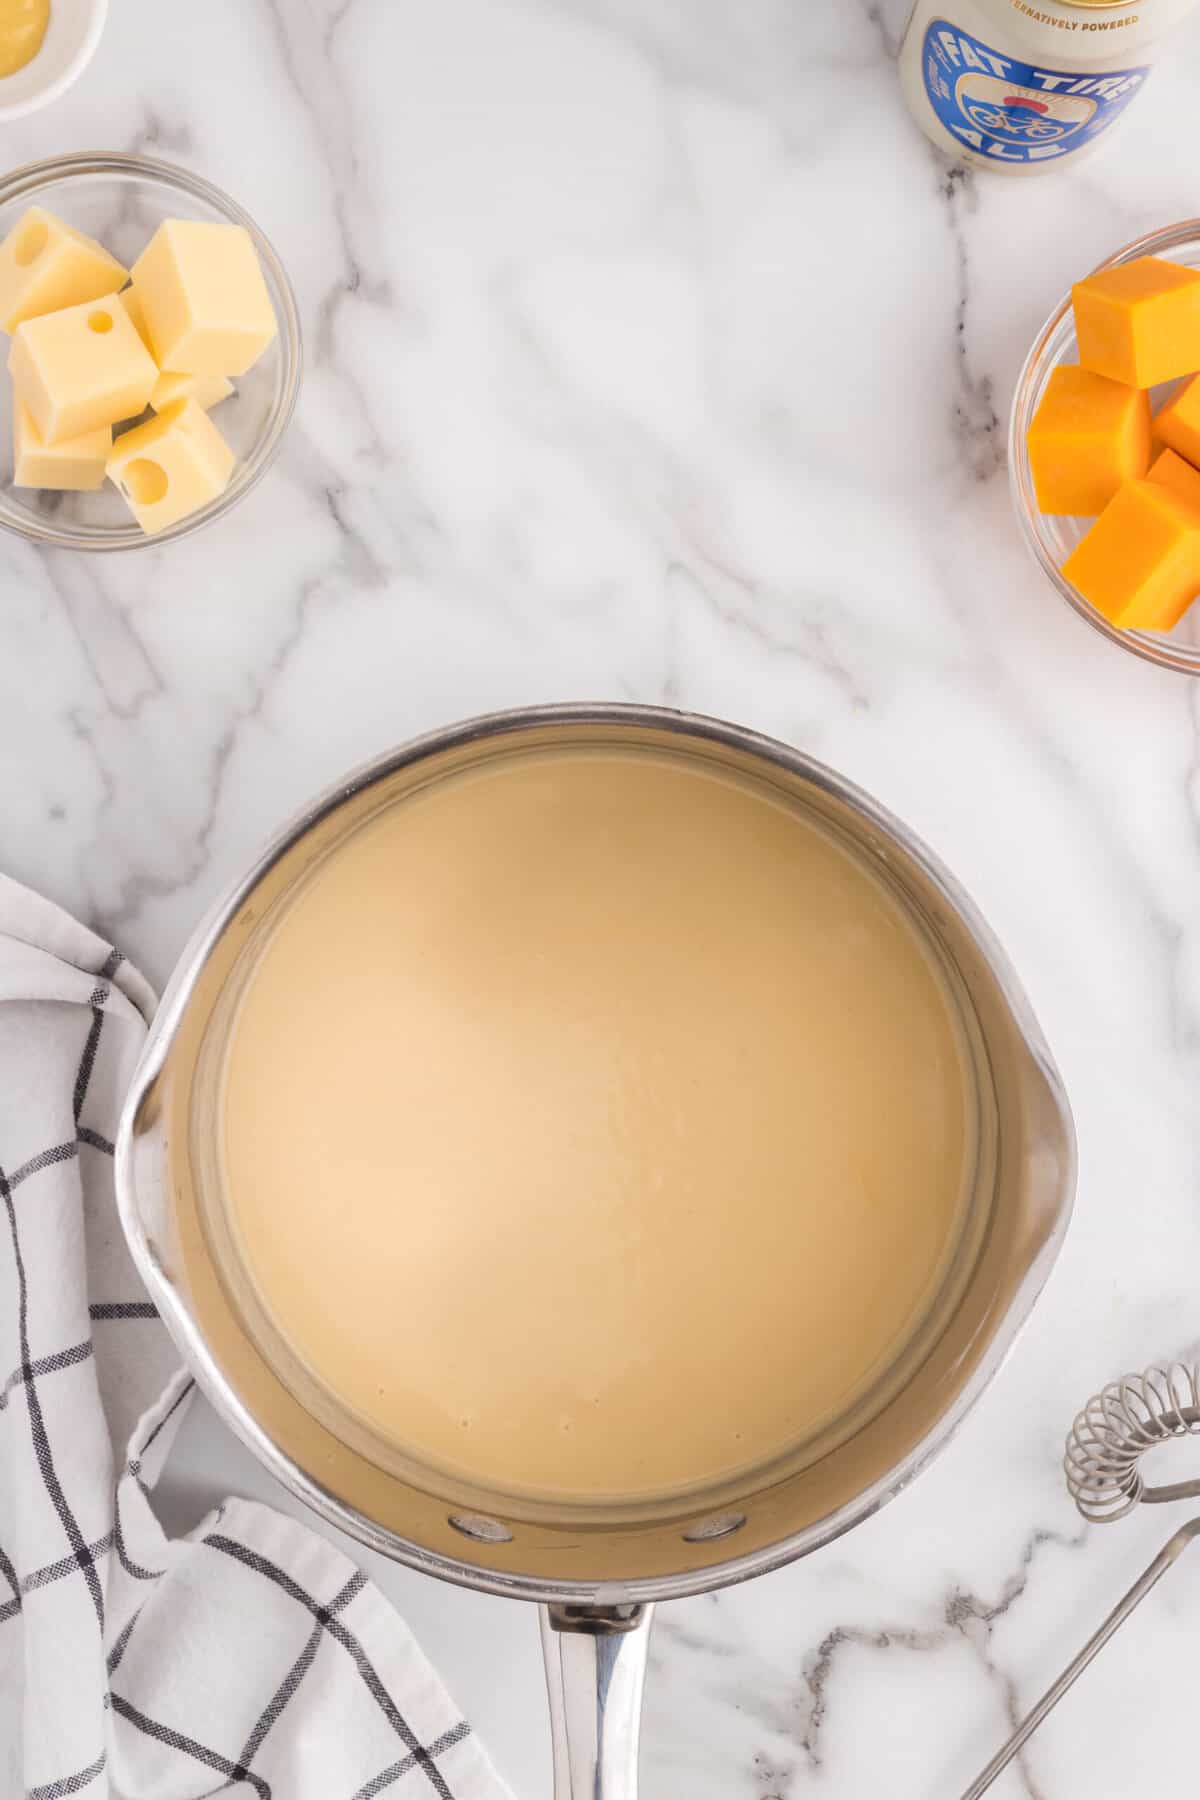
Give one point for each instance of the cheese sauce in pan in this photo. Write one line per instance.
(596, 1125)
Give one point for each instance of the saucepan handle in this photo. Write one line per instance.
(595, 1672)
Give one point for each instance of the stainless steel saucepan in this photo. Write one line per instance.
(597, 1572)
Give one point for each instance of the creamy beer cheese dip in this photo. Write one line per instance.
(595, 1124)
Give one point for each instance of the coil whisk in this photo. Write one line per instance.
(1115, 1430)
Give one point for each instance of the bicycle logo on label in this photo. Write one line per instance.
(1021, 115)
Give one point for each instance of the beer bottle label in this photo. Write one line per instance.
(1017, 111)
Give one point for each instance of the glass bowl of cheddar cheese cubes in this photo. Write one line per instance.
(1104, 448)
(152, 359)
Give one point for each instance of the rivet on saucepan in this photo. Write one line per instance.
(486, 1531)
(719, 1526)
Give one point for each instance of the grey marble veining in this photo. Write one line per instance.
(652, 354)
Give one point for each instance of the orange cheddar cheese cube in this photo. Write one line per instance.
(1178, 422)
(1139, 322)
(1089, 435)
(1178, 476)
(1139, 564)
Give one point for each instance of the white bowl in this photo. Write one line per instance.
(67, 49)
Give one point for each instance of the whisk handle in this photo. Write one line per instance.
(1178, 1490)
(1170, 1552)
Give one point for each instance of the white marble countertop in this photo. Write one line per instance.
(653, 355)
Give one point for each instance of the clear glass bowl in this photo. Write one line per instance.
(1052, 537)
(121, 200)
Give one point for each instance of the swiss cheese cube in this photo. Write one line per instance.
(82, 367)
(171, 466)
(1140, 321)
(128, 297)
(205, 300)
(205, 390)
(1089, 434)
(75, 463)
(1139, 564)
(46, 264)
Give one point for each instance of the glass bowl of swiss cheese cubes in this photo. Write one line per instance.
(1104, 448)
(152, 359)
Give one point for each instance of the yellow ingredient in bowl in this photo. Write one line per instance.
(45, 264)
(205, 390)
(204, 299)
(171, 466)
(22, 27)
(76, 462)
(81, 367)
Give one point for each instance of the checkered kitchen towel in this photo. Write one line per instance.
(249, 1658)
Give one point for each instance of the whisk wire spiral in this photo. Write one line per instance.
(1115, 1430)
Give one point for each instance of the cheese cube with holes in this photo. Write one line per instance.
(171, 466)
(205, 300)
(205, 390)
(46, 265)
(82, 367)
(75, 463)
